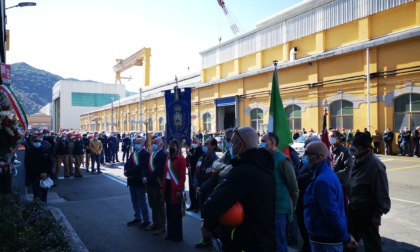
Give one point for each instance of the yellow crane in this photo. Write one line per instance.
(140, 58)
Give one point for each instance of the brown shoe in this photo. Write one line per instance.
(151, 228)
(159, 231)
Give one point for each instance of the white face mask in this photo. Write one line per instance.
(333, 140)
(194, 145)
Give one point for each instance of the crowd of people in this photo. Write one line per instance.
(333, 197)
(382, 143)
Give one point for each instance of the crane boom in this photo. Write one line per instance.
(140, 58)
(232, 24)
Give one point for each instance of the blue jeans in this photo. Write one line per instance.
(323, 247)
(406, 148)
(138, 198)
(280, 222)
(95, 159)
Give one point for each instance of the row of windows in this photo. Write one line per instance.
(91, 99)
(406, 114)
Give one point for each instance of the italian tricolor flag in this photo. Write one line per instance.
(277, 121)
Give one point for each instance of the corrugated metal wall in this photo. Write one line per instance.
(324, 17)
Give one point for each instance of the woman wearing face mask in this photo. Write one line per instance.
(38, 163)
(173, 182)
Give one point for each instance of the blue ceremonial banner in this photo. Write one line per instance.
(178, 114)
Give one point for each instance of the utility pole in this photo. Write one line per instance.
(112, 114)
(141, 109)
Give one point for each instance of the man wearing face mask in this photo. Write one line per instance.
(133, 169)
(251, 182)
(325, 218)
(342, 163)
(203, 172)
(388, 139)
(286, 188)
(369, 194)
(303, 176)
(78, 149)
(152, 179)
(62, 151)
(193, 155)
(95, 147)
(38, 163)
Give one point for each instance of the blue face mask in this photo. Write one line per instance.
(155, 147)
(64, 138)
(205, 149)
(305, 160)
(263, 145)
(231, 153)
(228, 144)
(37, 144)
(137, 147)
(95, 138)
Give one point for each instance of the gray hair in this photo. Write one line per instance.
(310, 140)
(249, 137)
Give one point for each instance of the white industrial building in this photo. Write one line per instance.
(73, 98)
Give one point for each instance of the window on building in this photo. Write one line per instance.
(150, 124)
(256, 118)
(294, 115)
(133, 125)
(407, 111)
(207, 122)
(341, 114)
(161, 124)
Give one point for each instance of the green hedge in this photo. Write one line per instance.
(29, 226)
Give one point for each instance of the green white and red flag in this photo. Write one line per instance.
(277, 121)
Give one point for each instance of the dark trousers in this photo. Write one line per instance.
(115, 156)
(301, 224)
(375, 147)
(126, 154)
(38, 191)
(416, 147)
(157, 205)
(359, 224)
(192, 192)
(388, 148)
(96, 159)
(173, 216)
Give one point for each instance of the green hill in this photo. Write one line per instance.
(33, 86)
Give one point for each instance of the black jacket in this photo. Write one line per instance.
(37, 161)
(154, 178)
(134, 172)
(251, 182)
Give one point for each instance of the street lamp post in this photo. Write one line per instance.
(112, 114)
(6, 174)
(22, 4)
(141, 109)
(119, 114)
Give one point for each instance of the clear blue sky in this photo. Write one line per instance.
(82, 38)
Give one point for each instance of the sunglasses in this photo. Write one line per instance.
(236, 131)
(309, 154)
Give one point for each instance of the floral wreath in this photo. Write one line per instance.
(13, 123)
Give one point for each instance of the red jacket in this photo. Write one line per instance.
(179, 166)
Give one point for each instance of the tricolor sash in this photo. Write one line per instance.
(20, 113)
(135, 158)
(172, 173)
(152, 167)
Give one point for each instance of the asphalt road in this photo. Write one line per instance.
(400, 228)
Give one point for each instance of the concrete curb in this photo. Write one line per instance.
(74, 240)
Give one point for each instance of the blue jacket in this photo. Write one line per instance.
(324, 207)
